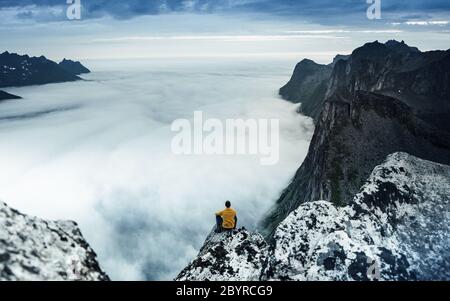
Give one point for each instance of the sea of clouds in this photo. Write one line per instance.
(99, 152)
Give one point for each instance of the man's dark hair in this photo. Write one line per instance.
(227, 204)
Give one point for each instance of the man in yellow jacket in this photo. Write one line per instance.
(226, 219)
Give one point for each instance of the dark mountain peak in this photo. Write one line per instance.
(307, 85)
(17, 56)
(308, 62)
(377, 49)
(308, 66)
(395, 43)
(74, 67)
(400, 46)
(23, 70)
(395, 69)
(339, 57)
(370, 50)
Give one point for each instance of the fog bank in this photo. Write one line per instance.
(98, 152)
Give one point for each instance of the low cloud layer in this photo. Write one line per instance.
(98, 152)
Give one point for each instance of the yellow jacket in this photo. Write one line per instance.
(228, 215)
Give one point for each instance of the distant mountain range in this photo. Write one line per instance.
(23, 70)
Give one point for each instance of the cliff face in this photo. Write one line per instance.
(384, 98)
(396, 228)
(35, 249)
(308, 85)
(418, 79)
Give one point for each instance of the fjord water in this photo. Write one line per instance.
(98, 152)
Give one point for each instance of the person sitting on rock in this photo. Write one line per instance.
(226, 219)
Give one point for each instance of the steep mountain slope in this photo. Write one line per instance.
(35, 249)
(384, 98)
(396, 228)
(22, 70)
(73, 67)
(308, 85)
(418, 79)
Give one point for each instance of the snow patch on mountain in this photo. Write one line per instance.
(35, 249)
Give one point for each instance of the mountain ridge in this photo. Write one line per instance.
(364, 118)
(22, 70)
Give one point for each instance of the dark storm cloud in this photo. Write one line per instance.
(321, 11)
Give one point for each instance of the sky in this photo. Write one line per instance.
(316, 29)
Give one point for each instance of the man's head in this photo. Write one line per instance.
(227, 204)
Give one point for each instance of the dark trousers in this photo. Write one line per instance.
(219, 222)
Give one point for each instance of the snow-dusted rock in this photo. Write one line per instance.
(396, 228)
(35, 249)
(234, 255)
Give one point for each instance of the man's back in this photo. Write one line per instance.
(228, 218)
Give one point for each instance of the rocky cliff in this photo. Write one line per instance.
(383, 98)
(308, 85)
(395, 228)
(35, 249)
